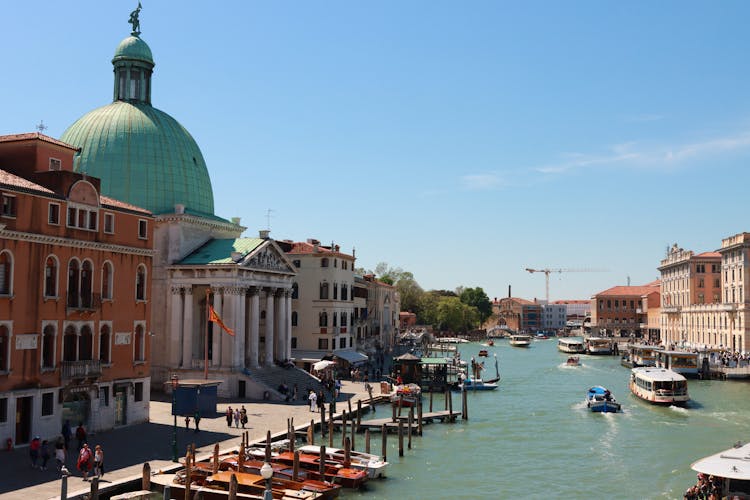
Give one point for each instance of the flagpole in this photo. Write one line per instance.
(205, 343)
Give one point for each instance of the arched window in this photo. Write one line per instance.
(50, 277)
(324, 290)
(4, 349)
(104, 337)
(6, 273)
(87, 275)
(294, 318)
(140, 344)
(48, 347)
(335, 291)
(70, 344)
(295, 291)
(107, 276)
(140, 283)
(323, 319)
(86, 344)
(73, 281)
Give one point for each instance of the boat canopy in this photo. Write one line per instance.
(733, 463)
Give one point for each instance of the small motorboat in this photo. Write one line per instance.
(573, 361)
(483, 353)
(406, 395)
(476, 384)
(490, 342)
(600, 400)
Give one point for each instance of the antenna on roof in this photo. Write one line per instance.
(268, 218)
(41, 127)
(628, 280)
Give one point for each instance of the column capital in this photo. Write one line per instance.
(253, 290)
(235, 290)
(188, 290)
(177, 289)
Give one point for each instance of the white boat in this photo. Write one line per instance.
(682, 362)
(732, 467)
(477, 384)
(571, 345)
(520, 340)
(451, 340)
(598, 345)
(659, 386)
(373, 464)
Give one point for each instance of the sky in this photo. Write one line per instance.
(461, 141)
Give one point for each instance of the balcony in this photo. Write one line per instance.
(670, 309)
(81, 369)
(84, 303)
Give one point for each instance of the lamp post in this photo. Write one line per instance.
(175, 384)
(267, 472)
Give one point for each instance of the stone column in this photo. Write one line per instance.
(269, 326)
(217, 332)
(288, 346)
(238, 318)
(253, 345)
(175, 328)
(280, 324)
(187, 329)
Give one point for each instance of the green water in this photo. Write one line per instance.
(535, 438)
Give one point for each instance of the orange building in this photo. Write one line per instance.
(75, 269)
(619, 310)
(518, 314)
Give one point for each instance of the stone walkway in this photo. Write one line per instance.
(126, 449)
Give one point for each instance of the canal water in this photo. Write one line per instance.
(535, 438)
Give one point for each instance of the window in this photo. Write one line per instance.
(700, 283)
(86, 344)
(324, 290)
(324, 262)
(87, 276)
(700, 268)
(53, 214)
(335, 318)
(109, 223)
(323, 319)
(55, 164)
(3, 410)
(295, 291)
(70, 344)
(323, 344)
(142, 229)
(6, 273)
(701, 298)
(103, 397)
(50, 277)
(344, 265)
(343, 319)
(82, 217)
(48, 403)
(9, 205)
(717, 282)
(138, 391)
(73, 282)
(107, 280)
(294, 318)
(343, 292)
(335, 291)
(4, 349)
(297, 263)
(104, 340)
(294, 342)
(140, 283)
(342, 342)
(139, 345)
(48, 347)
(335, 263)
(715, 268)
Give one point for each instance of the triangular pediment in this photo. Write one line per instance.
(268, 257)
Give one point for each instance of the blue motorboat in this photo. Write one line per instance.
(599, 399)
(477, 384)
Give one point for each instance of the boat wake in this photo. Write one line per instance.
(566, 366)
(581, 405)
(679, 409)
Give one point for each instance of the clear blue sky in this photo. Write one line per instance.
(462, 141)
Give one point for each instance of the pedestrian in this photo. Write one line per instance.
(67, 434)
(81, 435)
(237, 418)
(321, 402)
(44, 454)
(34, 451)
(99, 461)
(84, 461)
(313, 401)
(187, 422)
(197, 418)
(243, 416)
(295, 392)
(60, 452)
(229, 415)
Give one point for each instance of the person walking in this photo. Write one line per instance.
(84, 461)
(187, 422)
(34, 451)
(237, 418)
(99, 461)
(229, 415)
(60, 452)
(67, 434)
(313, 401)
(81, 435)
(197, 418)
(44, 454)
(243, 416)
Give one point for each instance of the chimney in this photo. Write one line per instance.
(509, 295)
(236, 221)
(263, 234)
(179, 208)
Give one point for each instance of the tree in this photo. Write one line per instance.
(456, 316)
(477, 298)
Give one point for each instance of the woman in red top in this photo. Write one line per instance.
(84, 461)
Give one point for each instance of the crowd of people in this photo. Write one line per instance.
(707, 488)
(86, 461)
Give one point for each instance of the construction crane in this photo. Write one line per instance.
(548, 271)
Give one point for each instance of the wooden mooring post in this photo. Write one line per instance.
(343, 429)
(352, 433)
(411, 424)
(232, 494)
(295, 467)
(359, 413)
(419, 417)
(400, 438)
(322, 469)
(384, 438)
(330, 433)
(367, 440)
(464, 405)
(323, 425)
(146, 477)
(431, 401)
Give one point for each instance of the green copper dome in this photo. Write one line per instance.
(133, 48)
(142, 155)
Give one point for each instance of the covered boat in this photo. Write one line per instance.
(477, 384)
(406, 395)
(573, 361)
(732, 469)
(600, 400)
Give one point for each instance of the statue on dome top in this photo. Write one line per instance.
(135, 22)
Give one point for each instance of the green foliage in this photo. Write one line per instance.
(477, 298)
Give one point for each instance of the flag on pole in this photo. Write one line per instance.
(212, 316)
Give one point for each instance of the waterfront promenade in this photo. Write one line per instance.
(127, 449)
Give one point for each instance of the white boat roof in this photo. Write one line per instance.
(658, 374)
(680, 353)
(733, 463)
(570, 340)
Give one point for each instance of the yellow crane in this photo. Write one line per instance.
(547, 271)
